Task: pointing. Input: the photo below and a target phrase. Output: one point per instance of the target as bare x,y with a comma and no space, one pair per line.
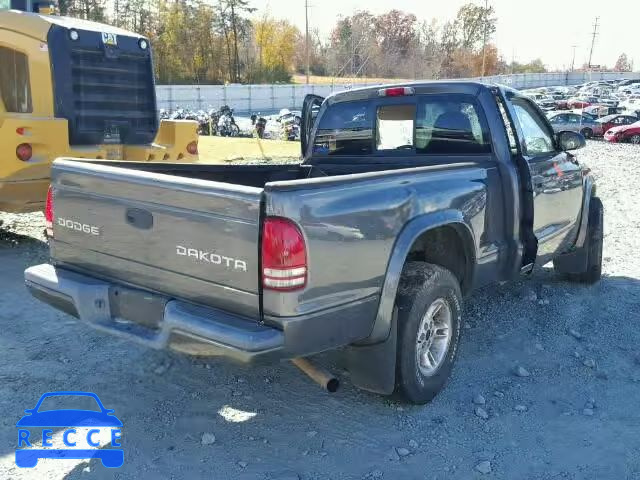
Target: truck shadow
272,416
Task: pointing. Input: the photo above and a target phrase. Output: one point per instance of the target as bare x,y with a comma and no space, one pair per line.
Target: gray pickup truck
408,198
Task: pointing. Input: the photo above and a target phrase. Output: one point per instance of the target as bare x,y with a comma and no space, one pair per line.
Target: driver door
556,179
310,109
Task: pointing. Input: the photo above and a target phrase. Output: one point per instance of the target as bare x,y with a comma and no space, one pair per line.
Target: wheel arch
412,239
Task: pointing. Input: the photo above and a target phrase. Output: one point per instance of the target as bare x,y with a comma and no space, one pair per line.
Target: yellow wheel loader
75,88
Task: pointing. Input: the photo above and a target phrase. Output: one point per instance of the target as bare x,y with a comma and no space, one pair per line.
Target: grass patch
225,149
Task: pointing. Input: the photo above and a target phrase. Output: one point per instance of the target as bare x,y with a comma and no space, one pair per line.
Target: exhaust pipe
319,375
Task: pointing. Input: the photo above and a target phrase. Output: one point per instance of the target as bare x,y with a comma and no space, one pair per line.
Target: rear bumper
183,327
204,331
20,196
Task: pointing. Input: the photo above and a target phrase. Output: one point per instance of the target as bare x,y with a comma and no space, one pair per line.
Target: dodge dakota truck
408,198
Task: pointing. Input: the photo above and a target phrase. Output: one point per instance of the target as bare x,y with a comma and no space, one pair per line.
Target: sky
526,30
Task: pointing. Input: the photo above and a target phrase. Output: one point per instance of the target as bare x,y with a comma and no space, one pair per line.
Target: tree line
226,41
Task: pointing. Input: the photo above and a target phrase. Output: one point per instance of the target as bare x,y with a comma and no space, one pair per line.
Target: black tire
593,244
635,139
422,284
586,132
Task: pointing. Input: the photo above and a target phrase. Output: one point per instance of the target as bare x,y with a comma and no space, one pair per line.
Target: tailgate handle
139,218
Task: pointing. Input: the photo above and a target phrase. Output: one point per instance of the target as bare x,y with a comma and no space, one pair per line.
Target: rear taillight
192,148
48,212
284,255
24,152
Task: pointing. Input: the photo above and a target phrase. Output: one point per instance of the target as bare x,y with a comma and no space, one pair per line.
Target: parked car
624,133
616,120
546,102
631,104
625,83
232,260
563,121
581,102
595,112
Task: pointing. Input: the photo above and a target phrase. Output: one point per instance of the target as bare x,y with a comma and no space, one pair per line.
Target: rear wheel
429,306
587,132
635,139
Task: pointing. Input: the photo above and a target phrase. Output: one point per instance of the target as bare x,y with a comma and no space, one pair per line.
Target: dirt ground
224,149
576,416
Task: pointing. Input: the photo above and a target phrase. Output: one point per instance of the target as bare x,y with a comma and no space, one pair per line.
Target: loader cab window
15,90
5,4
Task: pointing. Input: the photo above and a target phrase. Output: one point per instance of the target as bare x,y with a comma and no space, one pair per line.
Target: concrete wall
271,98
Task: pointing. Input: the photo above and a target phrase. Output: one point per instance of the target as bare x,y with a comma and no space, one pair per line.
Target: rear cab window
427,124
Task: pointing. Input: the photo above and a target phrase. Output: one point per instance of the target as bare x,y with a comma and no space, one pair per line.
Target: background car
595,112
616,120
624,133
581,102
563,121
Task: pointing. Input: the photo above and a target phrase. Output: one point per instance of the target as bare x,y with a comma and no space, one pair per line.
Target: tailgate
182,237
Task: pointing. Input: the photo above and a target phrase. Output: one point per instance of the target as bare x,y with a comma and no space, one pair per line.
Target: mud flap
572,262
373,367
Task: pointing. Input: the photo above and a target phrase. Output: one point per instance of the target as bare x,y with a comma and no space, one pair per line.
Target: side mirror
570,141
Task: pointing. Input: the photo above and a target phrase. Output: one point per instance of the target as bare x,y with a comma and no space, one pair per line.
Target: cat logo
110,39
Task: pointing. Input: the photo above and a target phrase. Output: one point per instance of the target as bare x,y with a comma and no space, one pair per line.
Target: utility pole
484,36
593,40
573,58
513,59
306,43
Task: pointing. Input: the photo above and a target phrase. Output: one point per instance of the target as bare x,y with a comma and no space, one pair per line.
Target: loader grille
112,96
105,90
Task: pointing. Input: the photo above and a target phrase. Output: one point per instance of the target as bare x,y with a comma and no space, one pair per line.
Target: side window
5,4
537,139
394,127
450,125
346,128
14,81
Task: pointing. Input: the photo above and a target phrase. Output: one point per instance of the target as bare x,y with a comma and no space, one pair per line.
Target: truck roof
37,26
420,87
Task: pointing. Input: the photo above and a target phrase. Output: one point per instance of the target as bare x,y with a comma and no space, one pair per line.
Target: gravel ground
547,384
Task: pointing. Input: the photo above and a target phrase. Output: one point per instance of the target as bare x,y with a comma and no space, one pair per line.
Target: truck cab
71,87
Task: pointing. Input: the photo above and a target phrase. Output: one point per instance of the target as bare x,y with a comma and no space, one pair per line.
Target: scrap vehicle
616,120
74,88
409,197
624,133
562,121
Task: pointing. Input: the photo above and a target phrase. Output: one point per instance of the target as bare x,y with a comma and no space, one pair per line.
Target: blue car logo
95,422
